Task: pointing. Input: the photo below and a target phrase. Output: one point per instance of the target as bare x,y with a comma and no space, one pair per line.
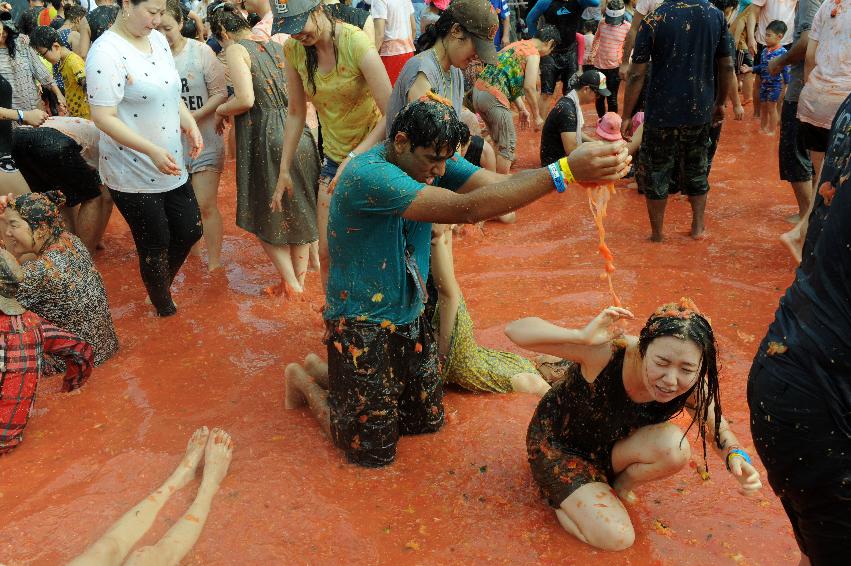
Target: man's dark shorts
807,459
51,161
812,137
383,383
558,66
795,164
674,154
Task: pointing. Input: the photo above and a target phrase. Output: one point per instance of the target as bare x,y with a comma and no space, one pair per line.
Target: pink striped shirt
607,49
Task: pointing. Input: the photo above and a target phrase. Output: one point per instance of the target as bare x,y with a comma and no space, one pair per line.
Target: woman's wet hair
74,13
224,17
684,321
548,33
175,9
429,122
311,61
439,30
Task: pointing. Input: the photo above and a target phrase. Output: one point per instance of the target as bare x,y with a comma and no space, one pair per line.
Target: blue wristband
557,177
738,452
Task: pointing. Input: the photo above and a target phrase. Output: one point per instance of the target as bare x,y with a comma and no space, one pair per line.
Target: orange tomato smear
598,200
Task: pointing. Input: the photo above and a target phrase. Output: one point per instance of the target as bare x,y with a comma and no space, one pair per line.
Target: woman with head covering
60,283
336,67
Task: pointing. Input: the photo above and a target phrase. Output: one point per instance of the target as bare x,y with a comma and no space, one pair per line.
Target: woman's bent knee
672,446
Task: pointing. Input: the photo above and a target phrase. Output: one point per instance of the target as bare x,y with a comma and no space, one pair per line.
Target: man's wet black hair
777,26
430,123
44,37
548,33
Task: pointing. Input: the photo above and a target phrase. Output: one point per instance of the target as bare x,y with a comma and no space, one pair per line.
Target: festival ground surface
462,496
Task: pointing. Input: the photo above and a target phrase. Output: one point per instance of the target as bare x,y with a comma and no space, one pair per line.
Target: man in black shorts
562,63
51,159
690,47
799,391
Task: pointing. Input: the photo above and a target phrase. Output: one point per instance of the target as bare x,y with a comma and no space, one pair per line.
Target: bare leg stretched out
114,546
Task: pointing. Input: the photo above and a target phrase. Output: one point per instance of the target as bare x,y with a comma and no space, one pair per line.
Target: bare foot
792,241
185,472
295,380
317,368
793,218
656,238
625,493
699,235
217,457
509,218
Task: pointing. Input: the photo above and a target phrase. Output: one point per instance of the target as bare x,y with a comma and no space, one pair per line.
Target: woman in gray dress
286,228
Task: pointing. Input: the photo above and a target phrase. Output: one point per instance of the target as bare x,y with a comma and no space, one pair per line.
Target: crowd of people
363,135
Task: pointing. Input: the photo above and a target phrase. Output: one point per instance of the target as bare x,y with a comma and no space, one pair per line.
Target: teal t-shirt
367,237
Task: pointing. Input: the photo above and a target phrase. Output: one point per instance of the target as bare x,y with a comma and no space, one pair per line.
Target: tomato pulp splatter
598,199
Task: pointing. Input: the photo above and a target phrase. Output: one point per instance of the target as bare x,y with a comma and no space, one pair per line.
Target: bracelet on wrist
557,177
565,169
21,117
352,154
736,452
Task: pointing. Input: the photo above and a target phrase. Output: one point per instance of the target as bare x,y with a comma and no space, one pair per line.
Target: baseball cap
11,276
615,12
479,19
290,16
439,4
609,127
596,80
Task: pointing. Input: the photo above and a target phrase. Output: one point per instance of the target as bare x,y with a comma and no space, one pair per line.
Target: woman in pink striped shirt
607,52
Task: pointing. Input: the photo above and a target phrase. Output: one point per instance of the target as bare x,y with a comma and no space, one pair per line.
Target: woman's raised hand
602,329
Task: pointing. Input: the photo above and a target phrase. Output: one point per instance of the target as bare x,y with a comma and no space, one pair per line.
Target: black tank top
588,418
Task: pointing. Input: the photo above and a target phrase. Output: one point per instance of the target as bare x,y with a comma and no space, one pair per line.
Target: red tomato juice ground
462,496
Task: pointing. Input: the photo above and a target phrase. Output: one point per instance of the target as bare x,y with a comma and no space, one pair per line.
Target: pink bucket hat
439,4
609,127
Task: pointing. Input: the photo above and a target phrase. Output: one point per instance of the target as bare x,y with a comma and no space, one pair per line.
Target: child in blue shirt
771,86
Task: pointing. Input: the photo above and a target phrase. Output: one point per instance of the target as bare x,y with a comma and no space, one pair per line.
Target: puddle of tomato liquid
464,495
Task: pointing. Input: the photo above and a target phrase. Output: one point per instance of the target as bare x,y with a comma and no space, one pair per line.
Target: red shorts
394,64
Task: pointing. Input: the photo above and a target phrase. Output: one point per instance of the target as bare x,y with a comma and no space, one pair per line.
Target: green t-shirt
367,237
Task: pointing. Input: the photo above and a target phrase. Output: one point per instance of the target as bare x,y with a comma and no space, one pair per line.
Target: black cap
596,80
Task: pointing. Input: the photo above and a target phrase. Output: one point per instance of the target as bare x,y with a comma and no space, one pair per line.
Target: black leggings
165,226
613,83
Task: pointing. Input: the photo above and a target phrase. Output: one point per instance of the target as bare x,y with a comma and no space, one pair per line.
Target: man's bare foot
317,368
217,457
185,472
699,235
295,381
793,243
793,218
656,238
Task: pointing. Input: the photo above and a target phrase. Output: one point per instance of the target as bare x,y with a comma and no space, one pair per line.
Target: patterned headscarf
41,209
